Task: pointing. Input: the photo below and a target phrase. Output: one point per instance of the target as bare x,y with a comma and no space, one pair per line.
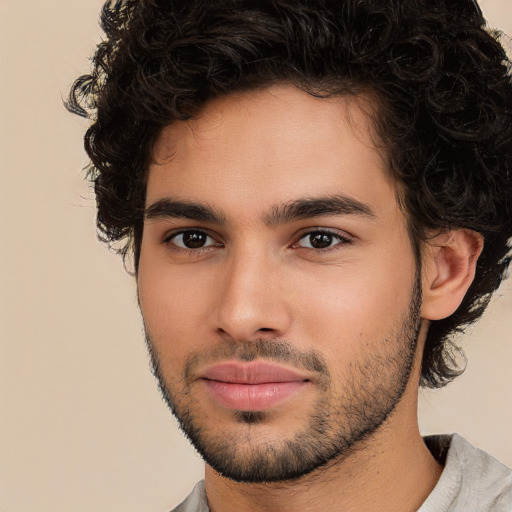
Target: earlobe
448,269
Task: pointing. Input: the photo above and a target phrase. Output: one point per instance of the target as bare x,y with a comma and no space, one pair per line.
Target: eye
321,239
192,239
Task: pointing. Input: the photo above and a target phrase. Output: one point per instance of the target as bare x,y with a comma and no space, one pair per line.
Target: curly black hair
442,79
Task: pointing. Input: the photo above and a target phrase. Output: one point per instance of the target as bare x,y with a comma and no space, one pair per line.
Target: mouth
254,386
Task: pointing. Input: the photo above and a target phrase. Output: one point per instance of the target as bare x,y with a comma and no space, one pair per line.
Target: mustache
275,351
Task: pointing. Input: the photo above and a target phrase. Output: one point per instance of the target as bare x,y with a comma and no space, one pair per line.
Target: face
277,282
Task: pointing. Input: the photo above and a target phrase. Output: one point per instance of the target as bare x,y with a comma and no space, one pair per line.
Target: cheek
346,308
173,305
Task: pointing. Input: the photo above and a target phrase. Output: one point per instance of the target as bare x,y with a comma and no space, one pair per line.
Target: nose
254,301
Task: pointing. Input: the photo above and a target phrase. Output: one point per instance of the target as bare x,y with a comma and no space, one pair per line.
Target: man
317,195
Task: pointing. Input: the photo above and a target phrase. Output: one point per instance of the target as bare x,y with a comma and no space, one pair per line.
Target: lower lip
253,397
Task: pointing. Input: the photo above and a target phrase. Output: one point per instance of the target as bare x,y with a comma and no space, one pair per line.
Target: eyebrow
317,207
168,208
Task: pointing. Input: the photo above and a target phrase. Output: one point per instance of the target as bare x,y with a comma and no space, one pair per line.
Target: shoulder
472,480
485,478
196,501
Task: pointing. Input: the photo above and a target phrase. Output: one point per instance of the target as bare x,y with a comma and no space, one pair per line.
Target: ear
448,269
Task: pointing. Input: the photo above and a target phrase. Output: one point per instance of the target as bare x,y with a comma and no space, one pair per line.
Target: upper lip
256,372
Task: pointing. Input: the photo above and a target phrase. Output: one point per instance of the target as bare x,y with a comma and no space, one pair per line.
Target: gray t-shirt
472,481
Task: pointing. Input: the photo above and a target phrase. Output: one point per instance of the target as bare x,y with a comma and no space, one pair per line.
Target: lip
256,372
254,386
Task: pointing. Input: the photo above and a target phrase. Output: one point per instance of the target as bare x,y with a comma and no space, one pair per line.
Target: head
422,84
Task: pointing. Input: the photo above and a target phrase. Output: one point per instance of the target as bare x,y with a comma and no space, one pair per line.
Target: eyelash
197,251
342,241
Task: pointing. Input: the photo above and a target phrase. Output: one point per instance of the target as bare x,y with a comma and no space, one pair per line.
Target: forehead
274,144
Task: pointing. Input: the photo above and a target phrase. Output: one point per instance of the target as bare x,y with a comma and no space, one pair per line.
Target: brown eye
321,240
192,239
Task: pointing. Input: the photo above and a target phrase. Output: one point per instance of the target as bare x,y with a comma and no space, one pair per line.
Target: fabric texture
196,501
472,481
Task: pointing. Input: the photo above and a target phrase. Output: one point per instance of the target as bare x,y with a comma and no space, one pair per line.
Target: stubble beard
339,424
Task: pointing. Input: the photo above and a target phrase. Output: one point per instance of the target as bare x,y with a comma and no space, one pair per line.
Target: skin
259,280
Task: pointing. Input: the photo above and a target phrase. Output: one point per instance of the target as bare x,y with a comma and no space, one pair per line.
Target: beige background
82,426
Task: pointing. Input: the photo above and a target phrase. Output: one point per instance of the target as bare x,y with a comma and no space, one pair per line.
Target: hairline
355,89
